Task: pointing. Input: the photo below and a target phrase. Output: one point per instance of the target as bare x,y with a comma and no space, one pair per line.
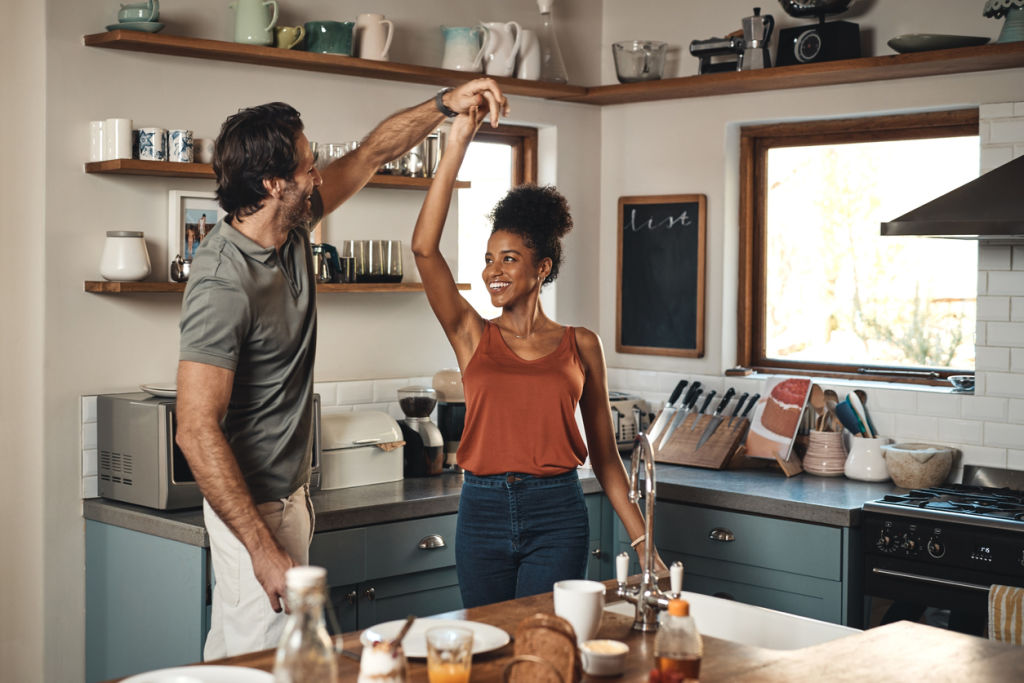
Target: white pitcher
251,25
462,48
373,35
501,45
529,56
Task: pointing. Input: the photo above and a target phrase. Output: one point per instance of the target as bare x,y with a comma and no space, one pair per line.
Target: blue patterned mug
153,144
179,146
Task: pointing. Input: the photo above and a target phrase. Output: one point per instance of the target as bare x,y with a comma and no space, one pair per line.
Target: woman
522,521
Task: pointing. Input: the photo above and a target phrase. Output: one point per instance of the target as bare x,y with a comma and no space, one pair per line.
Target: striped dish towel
1006,614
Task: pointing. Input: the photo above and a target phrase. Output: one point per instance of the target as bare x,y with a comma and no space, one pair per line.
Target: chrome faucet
648,598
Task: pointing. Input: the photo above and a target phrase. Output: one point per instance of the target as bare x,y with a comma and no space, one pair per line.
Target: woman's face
509,269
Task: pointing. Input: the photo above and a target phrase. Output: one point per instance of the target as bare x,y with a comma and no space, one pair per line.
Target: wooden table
902,651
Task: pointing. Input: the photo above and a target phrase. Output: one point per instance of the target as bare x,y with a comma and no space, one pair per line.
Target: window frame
755,141
523,141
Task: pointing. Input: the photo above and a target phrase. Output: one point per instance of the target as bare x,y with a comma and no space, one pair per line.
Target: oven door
936,573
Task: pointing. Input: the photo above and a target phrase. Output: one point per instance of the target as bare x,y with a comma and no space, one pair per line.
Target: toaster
622,418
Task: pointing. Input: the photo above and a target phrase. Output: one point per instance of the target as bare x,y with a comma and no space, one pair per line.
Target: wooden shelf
227,51
171,169
107,287
933,63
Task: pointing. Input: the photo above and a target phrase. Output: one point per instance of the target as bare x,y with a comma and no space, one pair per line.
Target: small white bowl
604,657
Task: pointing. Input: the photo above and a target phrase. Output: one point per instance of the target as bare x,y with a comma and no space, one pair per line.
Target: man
248,337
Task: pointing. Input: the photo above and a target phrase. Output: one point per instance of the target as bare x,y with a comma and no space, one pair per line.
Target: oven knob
884,542
936,548
910,544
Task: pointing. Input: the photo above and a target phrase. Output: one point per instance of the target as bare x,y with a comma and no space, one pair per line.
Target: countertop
901,651
832,501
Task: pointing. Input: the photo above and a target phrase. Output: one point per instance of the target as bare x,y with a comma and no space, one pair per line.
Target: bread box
351,452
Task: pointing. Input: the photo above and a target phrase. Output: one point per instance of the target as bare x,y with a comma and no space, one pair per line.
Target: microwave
139,461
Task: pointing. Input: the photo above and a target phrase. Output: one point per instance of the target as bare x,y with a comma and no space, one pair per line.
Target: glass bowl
962,383
639,60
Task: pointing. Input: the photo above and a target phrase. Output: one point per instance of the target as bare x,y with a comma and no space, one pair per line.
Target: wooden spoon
818,403
831,401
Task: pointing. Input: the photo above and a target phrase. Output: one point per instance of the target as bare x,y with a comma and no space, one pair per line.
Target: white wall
22,285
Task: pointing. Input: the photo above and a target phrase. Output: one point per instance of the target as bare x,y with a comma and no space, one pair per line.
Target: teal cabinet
146,602
796,567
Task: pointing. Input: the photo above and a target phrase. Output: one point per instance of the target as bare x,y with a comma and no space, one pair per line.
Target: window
497,160
821,292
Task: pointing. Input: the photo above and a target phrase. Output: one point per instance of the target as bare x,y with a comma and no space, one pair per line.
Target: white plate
485,636
203,674
921,42
163,390
147,26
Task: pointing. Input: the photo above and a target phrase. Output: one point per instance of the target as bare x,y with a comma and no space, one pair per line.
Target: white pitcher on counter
501,46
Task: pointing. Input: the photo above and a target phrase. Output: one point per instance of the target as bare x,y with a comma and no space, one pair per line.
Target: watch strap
441,106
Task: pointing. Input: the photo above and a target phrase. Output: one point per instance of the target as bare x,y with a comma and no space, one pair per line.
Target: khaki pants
242,619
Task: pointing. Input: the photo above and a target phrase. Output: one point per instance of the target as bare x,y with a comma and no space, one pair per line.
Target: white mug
117,139
501,45
96,151
372,37
581,603
529,56
179,145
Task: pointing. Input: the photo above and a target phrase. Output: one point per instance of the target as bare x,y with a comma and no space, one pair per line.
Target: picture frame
660,275
190,217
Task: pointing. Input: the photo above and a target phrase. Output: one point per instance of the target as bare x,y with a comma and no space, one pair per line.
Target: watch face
808,46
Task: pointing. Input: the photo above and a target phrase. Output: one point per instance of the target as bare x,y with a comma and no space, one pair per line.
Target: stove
943,547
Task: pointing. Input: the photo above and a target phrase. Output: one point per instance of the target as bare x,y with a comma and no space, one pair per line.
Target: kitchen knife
667,412
716,418
751,404
736,410
703,408
691,399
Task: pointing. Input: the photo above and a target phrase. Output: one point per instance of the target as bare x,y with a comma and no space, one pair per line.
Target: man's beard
297,213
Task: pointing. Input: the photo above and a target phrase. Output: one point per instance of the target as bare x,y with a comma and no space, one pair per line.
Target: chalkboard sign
660,308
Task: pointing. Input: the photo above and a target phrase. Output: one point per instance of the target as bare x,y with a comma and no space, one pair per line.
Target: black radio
822,42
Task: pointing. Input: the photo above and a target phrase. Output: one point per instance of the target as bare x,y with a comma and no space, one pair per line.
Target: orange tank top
521,414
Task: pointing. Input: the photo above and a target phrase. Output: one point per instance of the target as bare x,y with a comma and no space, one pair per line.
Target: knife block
715,453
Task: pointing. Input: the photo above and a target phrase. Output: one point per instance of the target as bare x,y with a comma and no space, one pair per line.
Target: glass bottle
552,67
305,653
678,646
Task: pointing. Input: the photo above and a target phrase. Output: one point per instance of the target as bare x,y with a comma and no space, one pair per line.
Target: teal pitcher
463,48
251,24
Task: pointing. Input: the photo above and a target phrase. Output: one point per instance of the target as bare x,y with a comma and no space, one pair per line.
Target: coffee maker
424,447
451,411
735,52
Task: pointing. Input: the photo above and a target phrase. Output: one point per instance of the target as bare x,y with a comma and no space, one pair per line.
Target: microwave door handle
949,583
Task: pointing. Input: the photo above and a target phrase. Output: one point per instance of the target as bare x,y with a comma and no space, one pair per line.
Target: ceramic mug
153,144
329,37
529,56
372,37
581,603
287,37
462,48
96,151
501,45
179,145
203,150
251,21
117,139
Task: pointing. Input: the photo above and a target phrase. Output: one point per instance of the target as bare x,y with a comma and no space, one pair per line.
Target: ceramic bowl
917,465
603,657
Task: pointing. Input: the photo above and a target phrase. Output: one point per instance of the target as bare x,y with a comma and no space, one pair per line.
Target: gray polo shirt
252,310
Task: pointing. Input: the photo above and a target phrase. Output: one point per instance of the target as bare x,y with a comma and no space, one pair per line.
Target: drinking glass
393,263
449,654
360,250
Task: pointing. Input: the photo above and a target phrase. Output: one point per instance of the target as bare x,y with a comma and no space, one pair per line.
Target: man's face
299,188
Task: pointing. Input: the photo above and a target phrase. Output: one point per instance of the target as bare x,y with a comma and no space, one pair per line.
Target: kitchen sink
751,625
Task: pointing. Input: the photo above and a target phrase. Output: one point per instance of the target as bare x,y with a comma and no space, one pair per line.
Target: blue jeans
518,534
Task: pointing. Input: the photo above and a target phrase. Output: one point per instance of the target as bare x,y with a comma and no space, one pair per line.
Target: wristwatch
441,106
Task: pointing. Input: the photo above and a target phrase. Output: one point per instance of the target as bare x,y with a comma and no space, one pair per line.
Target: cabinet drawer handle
370,593
431,542
596,552
351,597
722,535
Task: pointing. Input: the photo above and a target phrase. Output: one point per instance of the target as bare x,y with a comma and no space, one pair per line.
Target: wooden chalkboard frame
692,300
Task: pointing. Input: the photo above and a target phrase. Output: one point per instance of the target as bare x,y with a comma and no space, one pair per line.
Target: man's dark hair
254,144
540,216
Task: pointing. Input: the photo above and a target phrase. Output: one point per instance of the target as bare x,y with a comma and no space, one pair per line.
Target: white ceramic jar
124,256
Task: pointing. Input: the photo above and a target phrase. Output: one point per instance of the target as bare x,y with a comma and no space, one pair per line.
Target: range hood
989,208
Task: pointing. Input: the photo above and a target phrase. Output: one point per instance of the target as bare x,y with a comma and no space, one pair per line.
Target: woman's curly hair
540,216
